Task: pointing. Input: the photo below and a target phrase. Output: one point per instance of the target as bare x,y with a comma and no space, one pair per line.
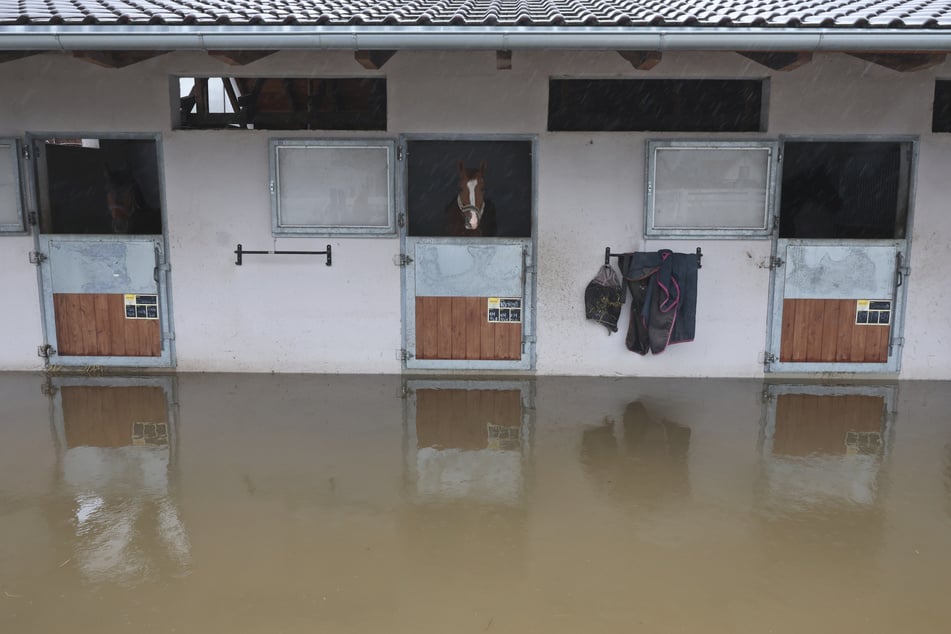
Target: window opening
844,190
439,199
663,105
99,186
276,103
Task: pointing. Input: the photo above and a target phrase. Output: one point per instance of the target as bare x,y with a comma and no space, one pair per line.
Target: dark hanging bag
603,298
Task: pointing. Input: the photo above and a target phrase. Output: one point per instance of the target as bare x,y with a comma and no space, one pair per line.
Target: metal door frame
408,274
44,273
771,362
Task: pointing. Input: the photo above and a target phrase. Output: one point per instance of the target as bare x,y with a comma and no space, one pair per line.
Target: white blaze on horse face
472,217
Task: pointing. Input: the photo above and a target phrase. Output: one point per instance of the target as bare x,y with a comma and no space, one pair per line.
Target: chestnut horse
470,214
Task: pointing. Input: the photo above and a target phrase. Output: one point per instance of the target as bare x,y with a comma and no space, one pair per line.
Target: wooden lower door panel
824,331
458,328
95,325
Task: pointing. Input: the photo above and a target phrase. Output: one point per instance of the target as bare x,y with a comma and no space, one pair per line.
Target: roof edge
119,37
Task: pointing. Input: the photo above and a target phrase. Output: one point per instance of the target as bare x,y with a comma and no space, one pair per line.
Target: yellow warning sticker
493,302
862,304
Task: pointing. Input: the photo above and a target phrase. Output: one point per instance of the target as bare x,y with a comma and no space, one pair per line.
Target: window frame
737,232
280,229
15,228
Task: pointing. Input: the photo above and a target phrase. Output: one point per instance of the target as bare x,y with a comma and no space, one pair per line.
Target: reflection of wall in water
647,465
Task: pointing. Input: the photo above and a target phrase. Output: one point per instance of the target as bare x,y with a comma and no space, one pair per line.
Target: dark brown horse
470,214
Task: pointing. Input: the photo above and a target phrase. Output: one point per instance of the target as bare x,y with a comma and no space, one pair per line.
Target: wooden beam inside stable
239,58
9,56
116,59
503,60
641,60
902,62
784,61
373,60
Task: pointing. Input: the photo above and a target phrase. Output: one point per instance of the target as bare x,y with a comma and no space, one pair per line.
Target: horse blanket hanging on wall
663,286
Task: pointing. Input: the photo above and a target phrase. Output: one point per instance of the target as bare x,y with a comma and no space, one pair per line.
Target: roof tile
900,14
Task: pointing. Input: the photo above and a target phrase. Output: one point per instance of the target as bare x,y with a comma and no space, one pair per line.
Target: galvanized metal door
467,303
837,306
105,300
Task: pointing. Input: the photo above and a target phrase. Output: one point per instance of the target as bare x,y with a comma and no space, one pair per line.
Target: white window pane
333,186
710,188
9,188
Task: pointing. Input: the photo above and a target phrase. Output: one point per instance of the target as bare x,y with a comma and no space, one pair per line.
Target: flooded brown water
247,503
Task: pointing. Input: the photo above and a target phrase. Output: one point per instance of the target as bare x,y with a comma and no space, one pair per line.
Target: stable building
430,187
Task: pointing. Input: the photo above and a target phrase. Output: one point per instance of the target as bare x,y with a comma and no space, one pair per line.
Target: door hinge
401,220
37,258
31,218
768,359
45,351
26,152
404,355
402,259
399,153
775,262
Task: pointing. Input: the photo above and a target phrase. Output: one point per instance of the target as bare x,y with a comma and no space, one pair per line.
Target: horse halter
464,209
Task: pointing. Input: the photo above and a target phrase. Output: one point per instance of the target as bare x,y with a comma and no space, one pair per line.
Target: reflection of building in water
117,458
644,461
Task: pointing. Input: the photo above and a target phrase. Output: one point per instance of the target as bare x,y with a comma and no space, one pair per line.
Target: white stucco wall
296,315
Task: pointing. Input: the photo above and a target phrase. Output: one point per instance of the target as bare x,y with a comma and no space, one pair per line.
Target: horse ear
482,167
462,169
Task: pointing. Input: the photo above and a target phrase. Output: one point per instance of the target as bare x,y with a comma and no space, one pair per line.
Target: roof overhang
351,38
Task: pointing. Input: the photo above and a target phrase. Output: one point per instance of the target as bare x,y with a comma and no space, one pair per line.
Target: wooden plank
843,346
458,327
426,328
69,341
443,327
87,324
830,329
508,342
813,343
115,318
804,314
487,331
876,343
787,333
103,330
857,349
474,318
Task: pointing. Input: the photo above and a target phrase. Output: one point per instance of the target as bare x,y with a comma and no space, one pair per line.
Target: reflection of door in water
467,441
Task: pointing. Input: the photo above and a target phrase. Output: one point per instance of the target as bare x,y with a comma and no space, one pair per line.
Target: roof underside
802,14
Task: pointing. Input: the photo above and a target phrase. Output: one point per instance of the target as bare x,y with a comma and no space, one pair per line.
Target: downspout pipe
263,37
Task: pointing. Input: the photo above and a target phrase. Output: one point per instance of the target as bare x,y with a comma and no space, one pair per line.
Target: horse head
471,198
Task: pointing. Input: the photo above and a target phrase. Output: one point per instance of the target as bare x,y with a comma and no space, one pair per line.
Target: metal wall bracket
37,258
775,263
402,259
45,351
